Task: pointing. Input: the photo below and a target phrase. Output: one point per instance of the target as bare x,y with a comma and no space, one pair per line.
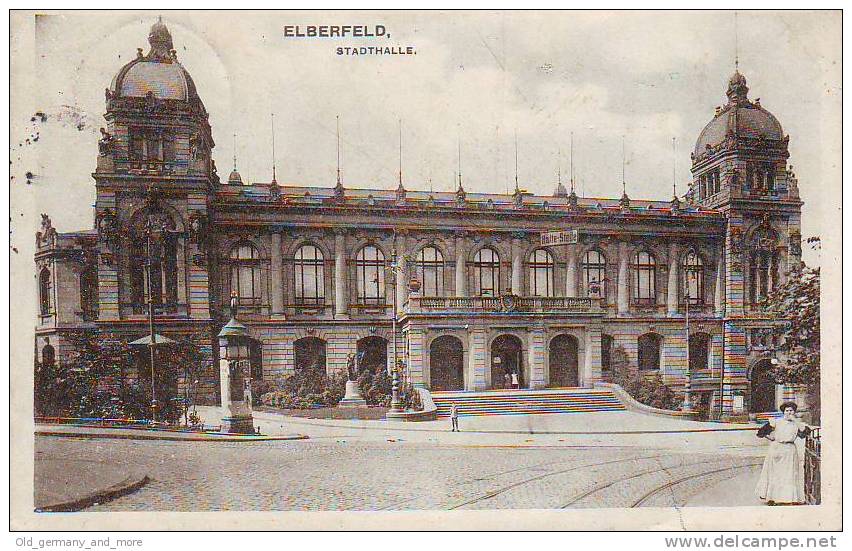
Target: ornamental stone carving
47,236
107,226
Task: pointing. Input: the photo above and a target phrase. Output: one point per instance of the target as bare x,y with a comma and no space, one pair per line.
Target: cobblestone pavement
369,475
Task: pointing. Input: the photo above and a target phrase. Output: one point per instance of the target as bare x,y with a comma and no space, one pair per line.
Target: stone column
672,296
478,365
591,369
517,268
461,268
719,297
536,343
571,272
417,356
401,279
277,275
623,301
108,285
340,303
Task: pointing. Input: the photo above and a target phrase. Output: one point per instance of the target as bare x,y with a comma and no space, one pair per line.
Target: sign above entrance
564,237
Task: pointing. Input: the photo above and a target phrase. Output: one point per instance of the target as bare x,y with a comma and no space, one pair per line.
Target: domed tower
739,166
154,175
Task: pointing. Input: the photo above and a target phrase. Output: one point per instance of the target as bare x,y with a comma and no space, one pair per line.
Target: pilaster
477,359
623,301
537,357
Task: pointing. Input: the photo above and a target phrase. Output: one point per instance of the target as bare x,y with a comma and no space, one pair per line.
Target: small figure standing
454,417
507,380
351,370
780,480
515,383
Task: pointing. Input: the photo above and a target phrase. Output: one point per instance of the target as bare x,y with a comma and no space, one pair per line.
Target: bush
645,388
307,388
650,390
376,387
277,399
259,388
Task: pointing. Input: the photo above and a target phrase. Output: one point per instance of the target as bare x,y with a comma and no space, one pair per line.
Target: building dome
740,117
235,178
157,73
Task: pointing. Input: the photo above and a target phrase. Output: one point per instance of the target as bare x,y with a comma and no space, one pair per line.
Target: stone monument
353,397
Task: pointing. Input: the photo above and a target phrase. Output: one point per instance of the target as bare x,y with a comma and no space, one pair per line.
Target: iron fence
812,467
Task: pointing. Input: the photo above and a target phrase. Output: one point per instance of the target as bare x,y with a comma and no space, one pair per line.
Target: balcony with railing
503,304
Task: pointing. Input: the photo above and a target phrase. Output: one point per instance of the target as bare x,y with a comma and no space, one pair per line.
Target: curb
128,486
526,432
216,438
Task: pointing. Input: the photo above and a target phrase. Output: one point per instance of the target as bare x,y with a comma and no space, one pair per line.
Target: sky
477,81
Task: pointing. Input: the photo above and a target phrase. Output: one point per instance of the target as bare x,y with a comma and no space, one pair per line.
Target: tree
796,301
95,380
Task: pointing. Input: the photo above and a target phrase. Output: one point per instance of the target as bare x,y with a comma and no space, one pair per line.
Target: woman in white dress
781,480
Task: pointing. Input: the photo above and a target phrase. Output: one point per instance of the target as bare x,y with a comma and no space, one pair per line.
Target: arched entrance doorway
309,352
506,359
762,387
564,365
48,356
372,354
446,364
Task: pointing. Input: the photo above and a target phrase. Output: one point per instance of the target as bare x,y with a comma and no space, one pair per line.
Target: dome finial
160,40
737,90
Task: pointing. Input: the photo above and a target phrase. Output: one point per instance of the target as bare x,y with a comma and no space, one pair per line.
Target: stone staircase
526,402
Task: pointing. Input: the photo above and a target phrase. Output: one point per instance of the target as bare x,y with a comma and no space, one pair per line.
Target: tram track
504,489
648,495
598,488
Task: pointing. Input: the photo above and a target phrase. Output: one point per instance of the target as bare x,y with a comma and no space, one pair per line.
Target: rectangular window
137,146
644,279
310,276
370,276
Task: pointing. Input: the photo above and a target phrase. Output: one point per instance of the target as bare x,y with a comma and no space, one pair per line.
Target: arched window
693,278
594,273
763,264
153,246
486,273
644,278
163,284
137,274
48,356
541,273
763,275
430,270
245,274
649,351
44,291
370,275
309,271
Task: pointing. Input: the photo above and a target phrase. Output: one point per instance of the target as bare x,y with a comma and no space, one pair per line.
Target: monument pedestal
238,425
353,396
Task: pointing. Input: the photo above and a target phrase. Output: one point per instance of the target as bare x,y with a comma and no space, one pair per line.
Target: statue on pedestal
353,397
350,367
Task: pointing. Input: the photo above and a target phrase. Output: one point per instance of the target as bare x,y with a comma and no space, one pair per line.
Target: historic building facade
320,273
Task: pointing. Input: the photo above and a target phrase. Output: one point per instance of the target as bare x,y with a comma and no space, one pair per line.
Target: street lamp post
149,228
687,394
